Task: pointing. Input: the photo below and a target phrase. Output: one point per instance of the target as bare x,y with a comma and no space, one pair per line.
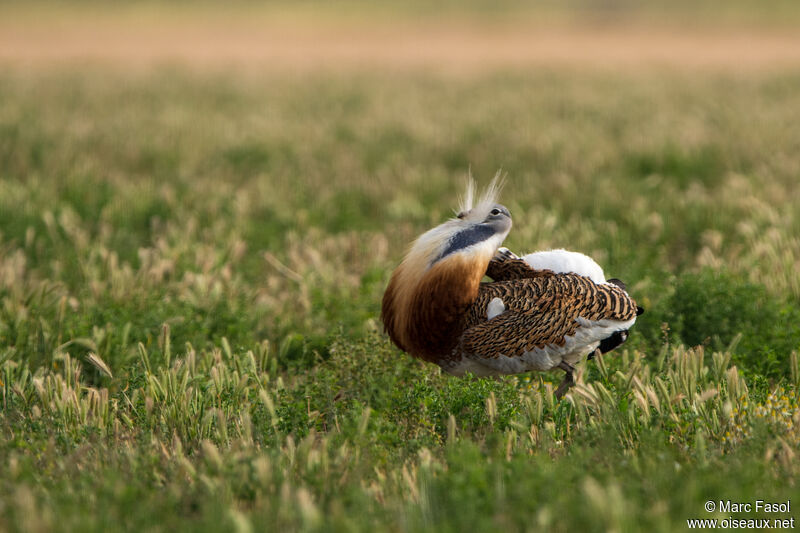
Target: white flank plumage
563,261
495,308
585,340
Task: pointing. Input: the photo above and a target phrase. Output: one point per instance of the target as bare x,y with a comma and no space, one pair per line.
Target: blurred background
261,167
201,204
452,36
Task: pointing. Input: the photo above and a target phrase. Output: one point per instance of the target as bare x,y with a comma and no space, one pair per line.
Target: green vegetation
191,268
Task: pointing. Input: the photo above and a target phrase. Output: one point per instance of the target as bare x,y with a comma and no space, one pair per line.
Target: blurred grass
221,243
465,38
173,187
707,13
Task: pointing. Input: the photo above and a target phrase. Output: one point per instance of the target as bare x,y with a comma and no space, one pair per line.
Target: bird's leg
567,382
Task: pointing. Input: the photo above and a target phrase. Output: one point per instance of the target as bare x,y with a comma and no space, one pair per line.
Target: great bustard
542,311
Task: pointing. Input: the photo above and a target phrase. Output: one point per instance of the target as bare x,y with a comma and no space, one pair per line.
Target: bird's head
440,275
477,230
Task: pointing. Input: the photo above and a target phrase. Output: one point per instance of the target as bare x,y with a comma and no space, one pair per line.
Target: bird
543,311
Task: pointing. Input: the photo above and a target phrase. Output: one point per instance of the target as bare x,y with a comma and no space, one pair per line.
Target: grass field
191,268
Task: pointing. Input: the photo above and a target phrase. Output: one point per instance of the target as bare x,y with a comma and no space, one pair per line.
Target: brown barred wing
503,268
513,333
544,311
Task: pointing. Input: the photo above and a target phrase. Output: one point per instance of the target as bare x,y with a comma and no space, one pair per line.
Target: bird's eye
462,214
495,211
